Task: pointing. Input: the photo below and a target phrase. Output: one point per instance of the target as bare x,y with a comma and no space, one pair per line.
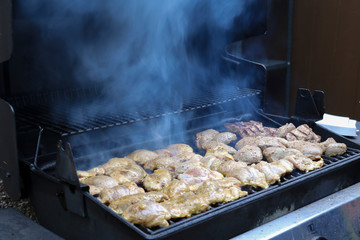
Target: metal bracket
66,171
308,106
9,164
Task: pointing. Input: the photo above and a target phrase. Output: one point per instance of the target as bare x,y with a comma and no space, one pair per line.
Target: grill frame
268,204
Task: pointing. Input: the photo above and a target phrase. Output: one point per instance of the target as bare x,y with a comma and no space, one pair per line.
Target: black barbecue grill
48,135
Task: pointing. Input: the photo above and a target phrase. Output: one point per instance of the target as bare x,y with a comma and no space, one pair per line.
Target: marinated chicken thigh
271,175
132,172
249,154
108,195
247,141
304,163
227,166
156,181
332,148
196,175
284,130
175,188
97,183
249,176
273,154
205,136
221,190
186,205
142,156
220,153
214,144
308,149
147,213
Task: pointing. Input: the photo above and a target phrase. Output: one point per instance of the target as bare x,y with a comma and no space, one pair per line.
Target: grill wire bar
57,120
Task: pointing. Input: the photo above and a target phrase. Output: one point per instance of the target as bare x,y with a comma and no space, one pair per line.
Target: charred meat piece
108,195
273,154
249,176
304,163
249,154
120,204
148,214
186,205
303,133
196,175
332,148
156,181
250,129
142,156
221,190
309,149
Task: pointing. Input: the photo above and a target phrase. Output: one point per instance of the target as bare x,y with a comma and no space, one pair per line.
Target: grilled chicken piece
249,176
90,173
265,142
213,144
163,153
304,163
284,130
220,153
309,149
205,136
185,205
225,137
179,149
221,190
162,162
227,166
182,167
156,181
108,195
211,162
332,148
196,175
273,154
250,129
132,172
120,204
303,133
282,167
175,188
148,214
272,176
142,156
117,162
97,183
247,141
249,154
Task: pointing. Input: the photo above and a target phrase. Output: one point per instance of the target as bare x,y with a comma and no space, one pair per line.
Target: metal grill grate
65,121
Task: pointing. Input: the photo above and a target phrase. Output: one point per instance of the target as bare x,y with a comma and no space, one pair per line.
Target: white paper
340,125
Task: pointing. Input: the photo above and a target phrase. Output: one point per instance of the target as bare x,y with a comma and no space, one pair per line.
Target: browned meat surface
249,154
273,154
185,205
249,176
303,133
247,141
147,213
156,181
221,190
250,129
225,137
309,149
108,195
196,175
265,142
304,163
284,130
120,204
142,156
332,148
